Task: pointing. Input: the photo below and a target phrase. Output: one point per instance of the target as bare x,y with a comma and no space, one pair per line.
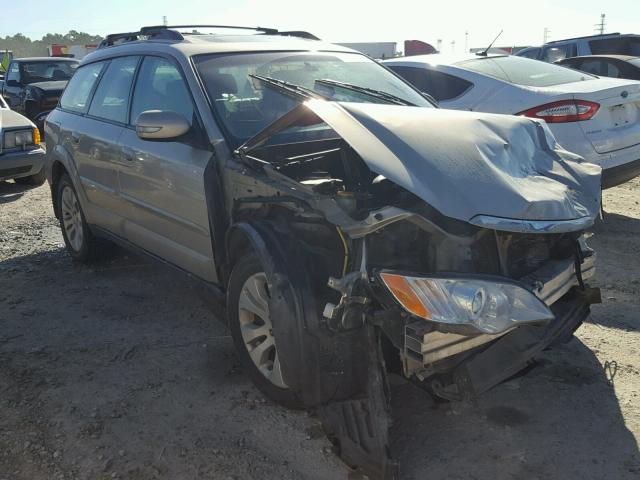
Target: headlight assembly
20,138
486,306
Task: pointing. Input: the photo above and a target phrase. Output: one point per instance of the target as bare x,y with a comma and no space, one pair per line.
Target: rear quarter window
76,96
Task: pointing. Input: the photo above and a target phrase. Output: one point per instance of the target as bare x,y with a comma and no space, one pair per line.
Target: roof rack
170,32
586,36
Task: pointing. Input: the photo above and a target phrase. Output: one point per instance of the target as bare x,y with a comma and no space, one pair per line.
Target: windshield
246,105
524,71
33,72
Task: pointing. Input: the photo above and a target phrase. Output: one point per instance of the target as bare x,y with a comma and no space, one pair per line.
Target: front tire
251,327
80,243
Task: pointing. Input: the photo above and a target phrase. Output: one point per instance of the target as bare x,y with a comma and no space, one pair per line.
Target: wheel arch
57,170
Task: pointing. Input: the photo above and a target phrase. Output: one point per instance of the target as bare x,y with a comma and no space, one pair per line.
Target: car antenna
485,51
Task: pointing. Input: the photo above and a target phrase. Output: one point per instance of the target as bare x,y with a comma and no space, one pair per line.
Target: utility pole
600,26
164,20
546,35
453,46
439,45
466,41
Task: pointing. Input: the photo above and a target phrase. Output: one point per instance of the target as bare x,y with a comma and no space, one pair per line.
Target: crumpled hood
468,165
11,119
50,87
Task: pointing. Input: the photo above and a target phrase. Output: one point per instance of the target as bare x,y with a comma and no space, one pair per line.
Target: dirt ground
119,370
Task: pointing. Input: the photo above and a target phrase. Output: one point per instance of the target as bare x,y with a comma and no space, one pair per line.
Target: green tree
23,46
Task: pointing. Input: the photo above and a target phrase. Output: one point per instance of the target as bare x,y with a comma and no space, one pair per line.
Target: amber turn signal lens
36,136
400,288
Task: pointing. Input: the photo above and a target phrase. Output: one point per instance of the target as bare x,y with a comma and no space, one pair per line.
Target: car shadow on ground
560,420
616,223
617,272
10,191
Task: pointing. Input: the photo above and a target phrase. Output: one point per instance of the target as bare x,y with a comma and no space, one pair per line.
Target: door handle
128,154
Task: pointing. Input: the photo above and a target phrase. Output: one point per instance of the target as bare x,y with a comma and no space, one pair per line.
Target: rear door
94,141
163,181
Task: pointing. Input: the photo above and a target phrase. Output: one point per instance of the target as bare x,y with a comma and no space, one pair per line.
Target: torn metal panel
468,164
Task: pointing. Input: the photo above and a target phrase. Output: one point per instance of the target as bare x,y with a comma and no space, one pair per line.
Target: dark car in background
32,86
616,66
610,43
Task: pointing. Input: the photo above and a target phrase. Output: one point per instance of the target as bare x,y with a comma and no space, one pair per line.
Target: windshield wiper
368,91
288,88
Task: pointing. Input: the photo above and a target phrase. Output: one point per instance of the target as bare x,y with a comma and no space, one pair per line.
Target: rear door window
160,86
76,96
111,100
593,66
440,86
553,53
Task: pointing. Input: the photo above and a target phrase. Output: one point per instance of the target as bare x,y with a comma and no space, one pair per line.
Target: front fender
321,365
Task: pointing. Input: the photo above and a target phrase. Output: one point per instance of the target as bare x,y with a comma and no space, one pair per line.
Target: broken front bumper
553,284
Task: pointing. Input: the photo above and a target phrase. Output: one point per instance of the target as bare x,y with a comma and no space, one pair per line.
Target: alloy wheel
257,330
72,218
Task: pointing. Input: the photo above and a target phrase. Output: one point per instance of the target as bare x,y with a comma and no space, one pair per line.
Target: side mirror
12,83
161,125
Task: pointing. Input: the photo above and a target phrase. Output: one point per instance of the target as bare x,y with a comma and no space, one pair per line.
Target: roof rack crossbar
170,32
150,32
268,31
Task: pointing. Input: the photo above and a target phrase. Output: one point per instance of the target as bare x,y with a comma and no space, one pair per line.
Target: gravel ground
120,370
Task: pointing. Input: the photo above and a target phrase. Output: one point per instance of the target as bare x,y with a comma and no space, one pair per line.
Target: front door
163,181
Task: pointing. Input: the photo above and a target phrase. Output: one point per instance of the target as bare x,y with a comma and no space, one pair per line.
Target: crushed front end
447,246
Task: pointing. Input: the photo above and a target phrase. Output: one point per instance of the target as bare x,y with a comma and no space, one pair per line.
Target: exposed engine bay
454,279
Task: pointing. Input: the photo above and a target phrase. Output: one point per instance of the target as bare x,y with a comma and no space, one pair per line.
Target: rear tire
36,180
252,330
80,242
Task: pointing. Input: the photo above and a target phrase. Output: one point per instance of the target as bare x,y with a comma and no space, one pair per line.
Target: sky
337,20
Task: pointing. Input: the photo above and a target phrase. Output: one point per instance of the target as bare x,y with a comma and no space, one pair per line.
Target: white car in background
597,118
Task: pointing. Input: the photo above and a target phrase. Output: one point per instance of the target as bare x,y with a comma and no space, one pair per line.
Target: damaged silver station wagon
350,228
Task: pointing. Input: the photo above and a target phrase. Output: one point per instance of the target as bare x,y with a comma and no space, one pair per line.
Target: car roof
435,59
624,58
594,37
45,59
217,43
